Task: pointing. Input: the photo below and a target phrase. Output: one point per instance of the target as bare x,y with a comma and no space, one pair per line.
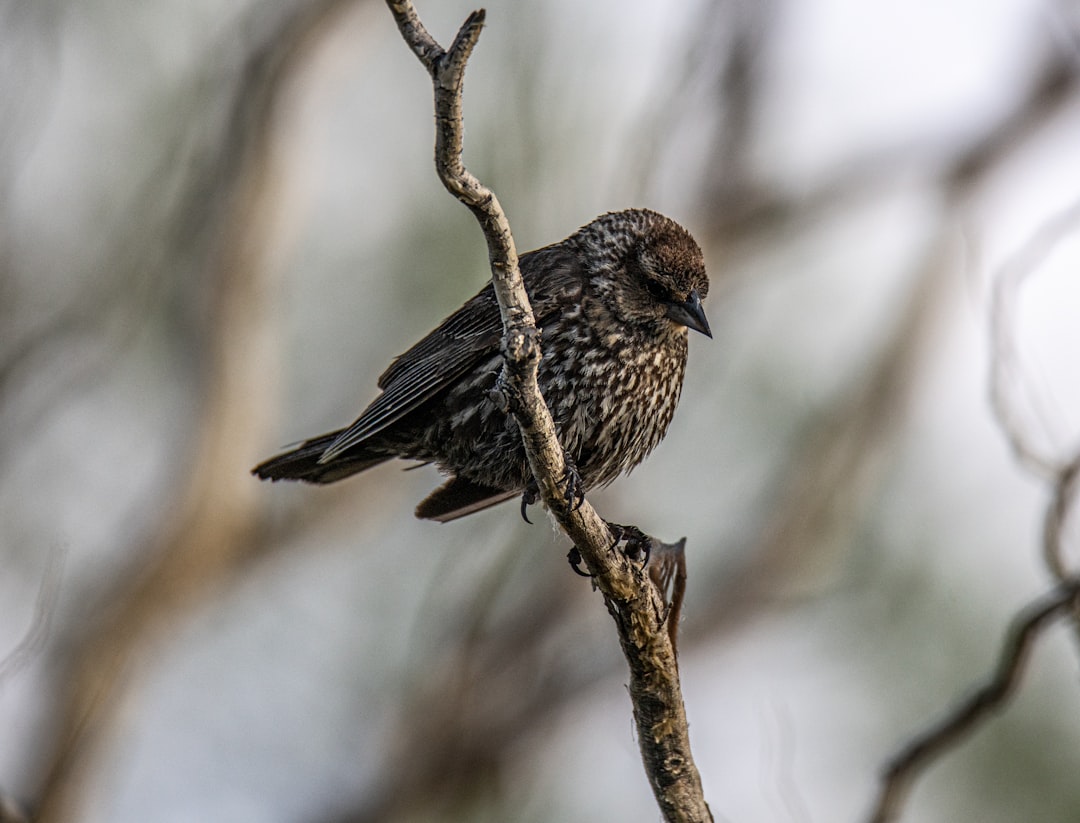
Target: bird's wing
471,330
428,367
461,341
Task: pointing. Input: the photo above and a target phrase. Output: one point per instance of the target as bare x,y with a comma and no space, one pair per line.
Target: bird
613,303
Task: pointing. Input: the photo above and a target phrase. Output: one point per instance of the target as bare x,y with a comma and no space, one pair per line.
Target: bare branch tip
637,607
466,38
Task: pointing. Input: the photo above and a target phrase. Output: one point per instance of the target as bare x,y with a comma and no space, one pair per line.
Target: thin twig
924,749
1006,379
1065,493
919,753
44,608
634,602
1005,375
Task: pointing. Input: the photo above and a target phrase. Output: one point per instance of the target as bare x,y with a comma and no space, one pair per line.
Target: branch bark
634,602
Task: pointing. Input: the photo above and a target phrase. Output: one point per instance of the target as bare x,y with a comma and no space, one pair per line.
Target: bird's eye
657,290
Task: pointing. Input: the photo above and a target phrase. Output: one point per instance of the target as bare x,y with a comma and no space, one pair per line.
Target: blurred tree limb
1011,394
921,751
1005,381
210,530
44,606
635,603
840,452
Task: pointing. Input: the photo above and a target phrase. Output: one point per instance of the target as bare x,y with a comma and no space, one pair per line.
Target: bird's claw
528,497
637,547
573,490
574,558
573,487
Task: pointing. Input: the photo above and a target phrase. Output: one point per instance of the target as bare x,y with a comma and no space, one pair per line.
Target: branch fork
637,605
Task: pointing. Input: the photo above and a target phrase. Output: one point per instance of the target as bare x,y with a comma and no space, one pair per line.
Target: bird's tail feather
302,463
458,497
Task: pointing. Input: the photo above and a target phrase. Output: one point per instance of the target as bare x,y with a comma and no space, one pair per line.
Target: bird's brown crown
670,258
643,262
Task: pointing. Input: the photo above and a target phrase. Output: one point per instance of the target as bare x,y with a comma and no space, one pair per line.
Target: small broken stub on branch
678,284
522,345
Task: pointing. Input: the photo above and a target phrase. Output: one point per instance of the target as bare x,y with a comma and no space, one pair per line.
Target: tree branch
1010,395
44,609
919,753
208,532
636,604
923,750
1057,82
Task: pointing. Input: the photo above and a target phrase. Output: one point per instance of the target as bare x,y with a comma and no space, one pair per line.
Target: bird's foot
637,545
573,490
573,487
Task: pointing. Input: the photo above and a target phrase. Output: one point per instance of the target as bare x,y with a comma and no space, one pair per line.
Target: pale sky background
275,698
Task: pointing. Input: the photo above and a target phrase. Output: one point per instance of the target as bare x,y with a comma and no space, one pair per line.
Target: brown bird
613,302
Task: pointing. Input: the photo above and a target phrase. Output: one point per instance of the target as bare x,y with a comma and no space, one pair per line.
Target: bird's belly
613,407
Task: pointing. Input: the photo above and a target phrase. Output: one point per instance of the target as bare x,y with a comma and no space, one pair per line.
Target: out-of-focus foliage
219,221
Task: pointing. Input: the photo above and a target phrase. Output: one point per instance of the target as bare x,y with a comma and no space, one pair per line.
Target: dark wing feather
302,463
427,368
469,335
476,326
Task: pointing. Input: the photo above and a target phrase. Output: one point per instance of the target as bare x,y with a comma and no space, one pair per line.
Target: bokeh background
220,220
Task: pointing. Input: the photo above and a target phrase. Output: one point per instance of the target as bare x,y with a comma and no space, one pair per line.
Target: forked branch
636,604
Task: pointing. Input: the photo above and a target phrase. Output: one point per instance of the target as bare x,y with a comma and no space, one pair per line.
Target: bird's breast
612,392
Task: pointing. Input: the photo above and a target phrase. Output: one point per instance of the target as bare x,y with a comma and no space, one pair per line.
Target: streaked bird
613,301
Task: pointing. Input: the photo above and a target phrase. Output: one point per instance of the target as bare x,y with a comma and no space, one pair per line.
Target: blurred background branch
195,269
223,223
925,748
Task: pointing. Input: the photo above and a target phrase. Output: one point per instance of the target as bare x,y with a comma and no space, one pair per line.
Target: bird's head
650,270
668,269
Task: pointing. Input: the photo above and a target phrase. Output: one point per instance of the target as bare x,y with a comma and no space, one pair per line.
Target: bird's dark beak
690,314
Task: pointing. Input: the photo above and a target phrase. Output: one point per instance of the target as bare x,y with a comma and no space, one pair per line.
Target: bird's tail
302,463
458,497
